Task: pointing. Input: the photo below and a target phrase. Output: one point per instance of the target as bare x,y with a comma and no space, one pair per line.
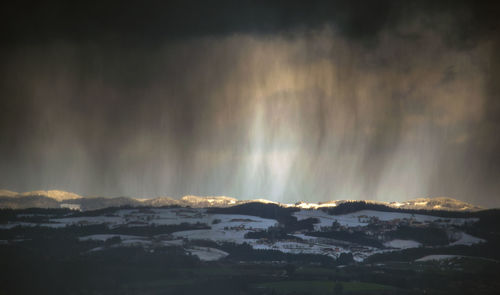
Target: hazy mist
299,114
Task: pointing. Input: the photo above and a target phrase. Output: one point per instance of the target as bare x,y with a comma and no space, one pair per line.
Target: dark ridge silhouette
355,206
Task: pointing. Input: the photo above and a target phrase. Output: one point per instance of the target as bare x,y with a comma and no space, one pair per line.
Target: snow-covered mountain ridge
57,198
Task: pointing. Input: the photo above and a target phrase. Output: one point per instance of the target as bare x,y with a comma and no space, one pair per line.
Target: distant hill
58,199
7,193
439,203
52,194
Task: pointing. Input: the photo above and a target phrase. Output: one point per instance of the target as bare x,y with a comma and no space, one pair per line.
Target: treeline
357,237
355,206
7,215
429,236
245,252
272,234
72,231
270,211
112,210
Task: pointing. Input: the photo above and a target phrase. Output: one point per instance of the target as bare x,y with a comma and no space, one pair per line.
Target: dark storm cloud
152,22
286,100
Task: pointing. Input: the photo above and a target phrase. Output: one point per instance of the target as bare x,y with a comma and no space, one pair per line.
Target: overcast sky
284,100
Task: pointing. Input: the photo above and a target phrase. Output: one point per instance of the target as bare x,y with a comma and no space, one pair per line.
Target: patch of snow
468,240
437,257
173,243
96,249
13,224
53,225
135,242
402,244
207,254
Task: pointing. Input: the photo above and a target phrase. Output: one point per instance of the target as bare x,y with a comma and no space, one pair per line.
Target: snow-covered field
468,240
362,218
140,217
233,227
402,244
207,254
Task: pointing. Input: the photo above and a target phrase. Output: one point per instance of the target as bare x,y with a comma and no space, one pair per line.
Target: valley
263,248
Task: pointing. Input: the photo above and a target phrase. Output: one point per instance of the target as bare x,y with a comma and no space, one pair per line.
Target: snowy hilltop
62,199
